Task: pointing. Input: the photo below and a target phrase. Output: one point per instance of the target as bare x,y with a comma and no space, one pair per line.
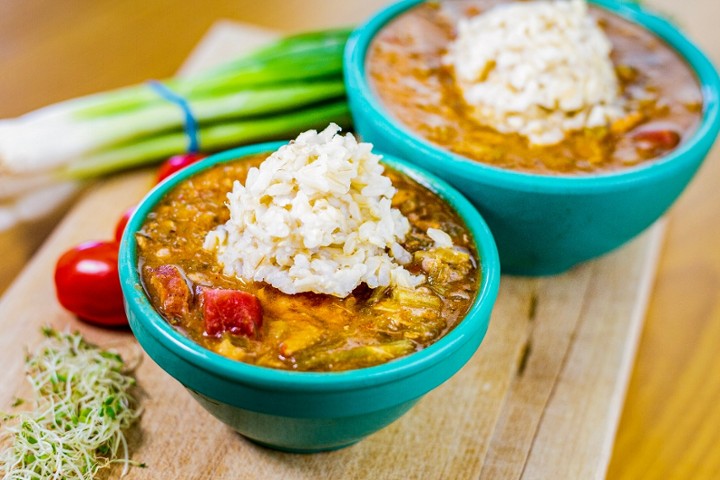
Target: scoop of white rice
316,216
538,68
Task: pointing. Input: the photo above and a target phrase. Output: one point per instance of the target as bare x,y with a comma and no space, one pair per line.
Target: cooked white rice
540,69
316,216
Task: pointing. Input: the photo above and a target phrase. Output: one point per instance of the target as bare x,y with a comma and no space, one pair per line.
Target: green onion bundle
293,84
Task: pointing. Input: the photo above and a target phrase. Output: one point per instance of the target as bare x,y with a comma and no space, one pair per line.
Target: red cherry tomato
122,223
177,162
87,283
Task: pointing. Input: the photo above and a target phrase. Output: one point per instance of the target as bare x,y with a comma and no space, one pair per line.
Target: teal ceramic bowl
306,411
546,224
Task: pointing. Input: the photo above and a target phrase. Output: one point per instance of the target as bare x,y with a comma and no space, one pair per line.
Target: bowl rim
274,379
703,136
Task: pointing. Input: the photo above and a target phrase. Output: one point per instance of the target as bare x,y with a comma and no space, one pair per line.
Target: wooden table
670,426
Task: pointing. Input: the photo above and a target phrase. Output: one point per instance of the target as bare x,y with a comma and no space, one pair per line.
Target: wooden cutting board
541,399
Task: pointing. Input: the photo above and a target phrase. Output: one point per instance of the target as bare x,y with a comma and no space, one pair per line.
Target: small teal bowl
307,411
546,224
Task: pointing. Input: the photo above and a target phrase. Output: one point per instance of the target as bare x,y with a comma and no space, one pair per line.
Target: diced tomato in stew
231,311
665,139
171,288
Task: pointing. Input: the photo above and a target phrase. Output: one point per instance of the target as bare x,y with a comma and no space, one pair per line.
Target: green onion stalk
291,85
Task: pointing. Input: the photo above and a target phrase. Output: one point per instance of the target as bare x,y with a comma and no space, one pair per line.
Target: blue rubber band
191,126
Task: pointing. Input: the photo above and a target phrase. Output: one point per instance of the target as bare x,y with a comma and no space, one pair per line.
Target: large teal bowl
305,411
546,224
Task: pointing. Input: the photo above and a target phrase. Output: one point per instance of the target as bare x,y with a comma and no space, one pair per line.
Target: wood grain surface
52,50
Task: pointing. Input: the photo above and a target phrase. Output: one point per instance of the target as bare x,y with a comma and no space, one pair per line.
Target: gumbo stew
256,323
405,68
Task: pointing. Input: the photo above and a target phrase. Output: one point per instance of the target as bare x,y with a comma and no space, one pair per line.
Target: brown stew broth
405,70
311,331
